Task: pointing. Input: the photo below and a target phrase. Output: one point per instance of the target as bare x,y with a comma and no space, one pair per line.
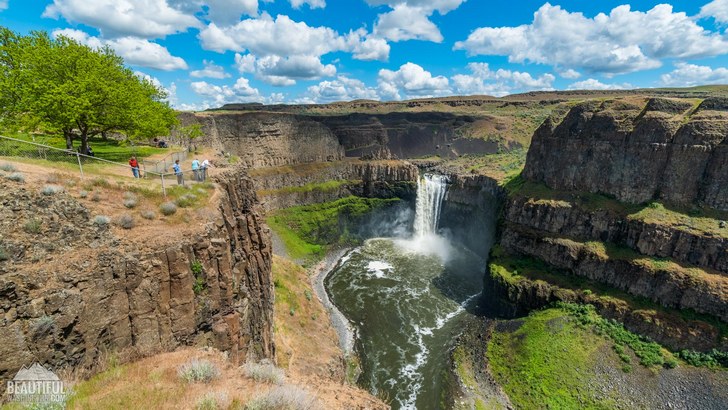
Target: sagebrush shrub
16,176
168,208
264,371
284,398
101,220
126,221
148,215
51,189
197,370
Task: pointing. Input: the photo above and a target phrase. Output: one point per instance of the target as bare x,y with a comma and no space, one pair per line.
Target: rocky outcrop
469,213
637,151
92,292
513,297
268,139
307,184
565,219
572,227
406,134
666,284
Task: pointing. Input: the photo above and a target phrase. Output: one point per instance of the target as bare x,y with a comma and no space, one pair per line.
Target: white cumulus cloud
622,41
281,50
410,19
442,6
221,12
483,80
314,4
140,18
718,9
217,95
407,23
3,4
134,51
593,84
210,70
340,89
570,74
688,75
413,81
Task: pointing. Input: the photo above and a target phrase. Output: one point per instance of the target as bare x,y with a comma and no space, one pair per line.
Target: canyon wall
267,139
469,213
576,226
270,139
306,184
406,134
665,150
83,291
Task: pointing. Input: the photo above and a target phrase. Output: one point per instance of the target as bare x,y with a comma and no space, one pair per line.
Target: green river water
406,300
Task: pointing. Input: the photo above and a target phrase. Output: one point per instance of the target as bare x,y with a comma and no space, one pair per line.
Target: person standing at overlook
178,171
134,164
203,169
196,169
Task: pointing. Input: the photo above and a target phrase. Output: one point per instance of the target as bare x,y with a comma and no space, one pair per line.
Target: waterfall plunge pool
407,298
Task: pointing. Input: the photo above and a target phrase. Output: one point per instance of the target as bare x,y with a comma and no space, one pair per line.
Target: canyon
621,204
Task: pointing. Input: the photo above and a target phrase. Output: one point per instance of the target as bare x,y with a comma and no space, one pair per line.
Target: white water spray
430,193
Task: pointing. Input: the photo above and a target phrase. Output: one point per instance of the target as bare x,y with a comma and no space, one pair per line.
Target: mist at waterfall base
406,297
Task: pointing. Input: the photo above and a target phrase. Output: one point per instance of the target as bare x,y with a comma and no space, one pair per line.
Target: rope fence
92,165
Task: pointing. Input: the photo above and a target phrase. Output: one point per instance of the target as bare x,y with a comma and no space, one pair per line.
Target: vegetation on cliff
307,230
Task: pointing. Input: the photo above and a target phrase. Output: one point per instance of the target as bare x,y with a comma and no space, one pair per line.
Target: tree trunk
84,141
69,139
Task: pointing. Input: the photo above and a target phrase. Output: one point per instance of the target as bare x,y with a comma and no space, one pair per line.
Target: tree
60,85
189,133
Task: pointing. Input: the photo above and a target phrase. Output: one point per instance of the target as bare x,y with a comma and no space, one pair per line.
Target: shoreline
343,328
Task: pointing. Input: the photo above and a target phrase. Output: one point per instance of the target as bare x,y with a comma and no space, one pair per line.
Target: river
406,298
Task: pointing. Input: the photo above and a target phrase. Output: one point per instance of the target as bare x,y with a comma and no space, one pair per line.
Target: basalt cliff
73,289
622,205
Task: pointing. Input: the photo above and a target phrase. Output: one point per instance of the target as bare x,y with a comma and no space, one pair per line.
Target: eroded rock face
405,134
637,153
651,239
372,179
268,139
94,293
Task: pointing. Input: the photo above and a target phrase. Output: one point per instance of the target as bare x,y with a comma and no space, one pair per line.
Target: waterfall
430,192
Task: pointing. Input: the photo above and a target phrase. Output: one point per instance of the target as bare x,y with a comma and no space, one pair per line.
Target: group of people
199,170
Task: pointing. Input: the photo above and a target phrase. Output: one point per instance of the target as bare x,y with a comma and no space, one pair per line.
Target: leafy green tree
189,133
59,85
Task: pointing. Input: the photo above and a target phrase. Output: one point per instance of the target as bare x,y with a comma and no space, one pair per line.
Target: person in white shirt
203,169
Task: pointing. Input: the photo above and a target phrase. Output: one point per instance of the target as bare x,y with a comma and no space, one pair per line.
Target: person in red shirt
134,164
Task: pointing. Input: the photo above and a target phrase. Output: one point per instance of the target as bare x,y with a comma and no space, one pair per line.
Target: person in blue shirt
178,171
196,169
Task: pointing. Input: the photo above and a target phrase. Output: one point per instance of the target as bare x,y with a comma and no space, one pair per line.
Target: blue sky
210,52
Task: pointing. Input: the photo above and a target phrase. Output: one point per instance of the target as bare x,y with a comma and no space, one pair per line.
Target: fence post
80,167
164,189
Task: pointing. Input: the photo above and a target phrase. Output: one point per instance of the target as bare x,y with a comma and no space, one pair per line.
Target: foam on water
378,268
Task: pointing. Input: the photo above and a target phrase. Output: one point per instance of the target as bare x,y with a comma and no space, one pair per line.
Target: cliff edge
73,286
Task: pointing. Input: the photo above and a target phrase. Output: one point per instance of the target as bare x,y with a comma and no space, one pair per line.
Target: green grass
306,231
547,362
108,149
503,166
286,299
649,353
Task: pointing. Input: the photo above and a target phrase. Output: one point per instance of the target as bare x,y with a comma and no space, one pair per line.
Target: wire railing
14,148
163,165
